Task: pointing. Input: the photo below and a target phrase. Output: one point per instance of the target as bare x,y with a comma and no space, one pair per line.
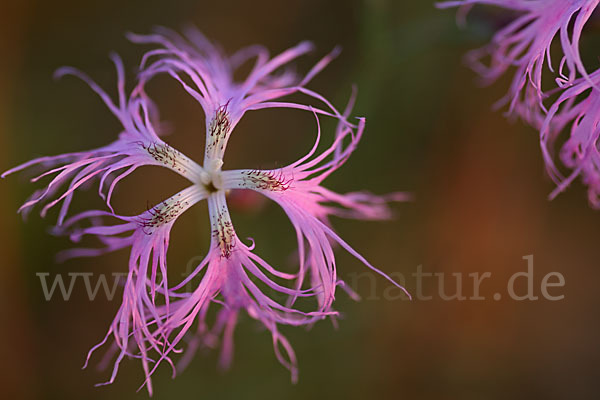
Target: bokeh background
480,206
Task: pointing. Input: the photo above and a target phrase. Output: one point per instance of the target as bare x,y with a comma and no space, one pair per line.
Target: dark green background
480,206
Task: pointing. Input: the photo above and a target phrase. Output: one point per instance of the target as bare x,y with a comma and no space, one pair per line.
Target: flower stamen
273,181
170,209
222,227
217,134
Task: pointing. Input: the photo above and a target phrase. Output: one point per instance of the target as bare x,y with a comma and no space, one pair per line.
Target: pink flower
229,265
525,44
578,108
155,319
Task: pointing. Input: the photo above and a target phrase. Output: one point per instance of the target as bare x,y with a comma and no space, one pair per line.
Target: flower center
211,176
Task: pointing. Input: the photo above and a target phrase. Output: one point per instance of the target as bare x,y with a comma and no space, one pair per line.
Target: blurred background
480,206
